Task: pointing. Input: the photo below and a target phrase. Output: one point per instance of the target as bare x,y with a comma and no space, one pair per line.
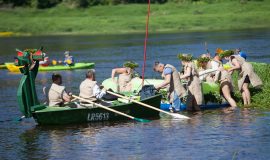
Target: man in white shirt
89,88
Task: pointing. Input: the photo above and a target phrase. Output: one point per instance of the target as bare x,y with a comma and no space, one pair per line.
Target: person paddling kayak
46,61
69,60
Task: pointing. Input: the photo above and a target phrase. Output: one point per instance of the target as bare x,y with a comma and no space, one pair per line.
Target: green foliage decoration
202,60
131,64
185,57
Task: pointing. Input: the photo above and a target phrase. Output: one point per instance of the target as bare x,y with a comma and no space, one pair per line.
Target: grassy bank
260,97
170,17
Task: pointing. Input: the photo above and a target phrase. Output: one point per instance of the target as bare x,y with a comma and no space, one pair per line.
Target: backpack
147,91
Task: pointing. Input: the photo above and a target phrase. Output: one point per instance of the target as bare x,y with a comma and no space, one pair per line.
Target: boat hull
65,115
12,68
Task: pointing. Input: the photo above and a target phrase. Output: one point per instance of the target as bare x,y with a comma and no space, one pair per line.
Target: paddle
175,115
112,110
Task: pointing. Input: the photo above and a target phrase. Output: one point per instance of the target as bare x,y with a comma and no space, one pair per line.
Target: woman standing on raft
246,74
195,96
125,76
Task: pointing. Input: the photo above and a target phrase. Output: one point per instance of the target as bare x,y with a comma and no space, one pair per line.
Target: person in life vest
69,60
195,95
89,88
172,83
126,73
57,94
45,62
246,74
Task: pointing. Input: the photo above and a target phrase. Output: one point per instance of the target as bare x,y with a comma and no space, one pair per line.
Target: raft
12,68
208,88
136,84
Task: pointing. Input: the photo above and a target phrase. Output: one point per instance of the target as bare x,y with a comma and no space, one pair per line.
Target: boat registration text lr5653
98,116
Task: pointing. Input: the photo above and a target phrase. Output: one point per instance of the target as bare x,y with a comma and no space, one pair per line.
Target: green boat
30,106
13,68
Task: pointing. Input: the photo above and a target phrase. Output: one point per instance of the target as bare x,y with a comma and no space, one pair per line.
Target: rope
145,42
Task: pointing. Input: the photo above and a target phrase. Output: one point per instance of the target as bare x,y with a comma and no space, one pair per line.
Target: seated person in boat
246,74
172,83
57,94
89,89
126,73
223,77
69,60
195,95
45,62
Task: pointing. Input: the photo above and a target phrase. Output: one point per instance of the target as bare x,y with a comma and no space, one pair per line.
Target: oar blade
142,120
179,116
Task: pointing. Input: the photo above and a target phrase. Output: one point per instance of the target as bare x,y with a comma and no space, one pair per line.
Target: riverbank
121,19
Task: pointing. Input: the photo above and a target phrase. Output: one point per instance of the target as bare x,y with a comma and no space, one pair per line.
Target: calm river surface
212,135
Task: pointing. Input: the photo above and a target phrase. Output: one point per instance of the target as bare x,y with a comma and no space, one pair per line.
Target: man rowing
172,82
89,89
57,94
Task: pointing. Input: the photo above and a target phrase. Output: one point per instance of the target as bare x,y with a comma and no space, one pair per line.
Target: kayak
3,66
209,91
12,68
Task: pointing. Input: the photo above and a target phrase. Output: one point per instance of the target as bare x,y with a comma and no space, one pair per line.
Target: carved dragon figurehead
28,62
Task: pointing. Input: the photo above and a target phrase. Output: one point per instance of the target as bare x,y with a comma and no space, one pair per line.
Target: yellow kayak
12,68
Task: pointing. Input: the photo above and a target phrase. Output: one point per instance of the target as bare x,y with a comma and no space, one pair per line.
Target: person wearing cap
57,94
246,74
69,60
125,76
239,52
45,62
195,95
89,88
172,83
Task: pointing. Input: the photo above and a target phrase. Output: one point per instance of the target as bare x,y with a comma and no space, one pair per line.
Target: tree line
42,4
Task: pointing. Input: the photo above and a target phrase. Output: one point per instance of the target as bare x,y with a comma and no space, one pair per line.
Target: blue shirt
167,71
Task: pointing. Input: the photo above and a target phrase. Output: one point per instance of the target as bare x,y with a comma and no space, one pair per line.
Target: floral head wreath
202,60
185,57
131,64
226,53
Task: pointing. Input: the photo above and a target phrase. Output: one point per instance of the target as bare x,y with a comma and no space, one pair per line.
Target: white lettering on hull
98,116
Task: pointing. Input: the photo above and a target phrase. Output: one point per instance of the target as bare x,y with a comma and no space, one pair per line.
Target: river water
244,134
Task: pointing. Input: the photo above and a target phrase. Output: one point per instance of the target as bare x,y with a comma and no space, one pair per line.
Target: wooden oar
207,71
175,115
112,110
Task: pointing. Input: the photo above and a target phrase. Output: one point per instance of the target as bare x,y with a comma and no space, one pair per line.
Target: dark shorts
247,79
